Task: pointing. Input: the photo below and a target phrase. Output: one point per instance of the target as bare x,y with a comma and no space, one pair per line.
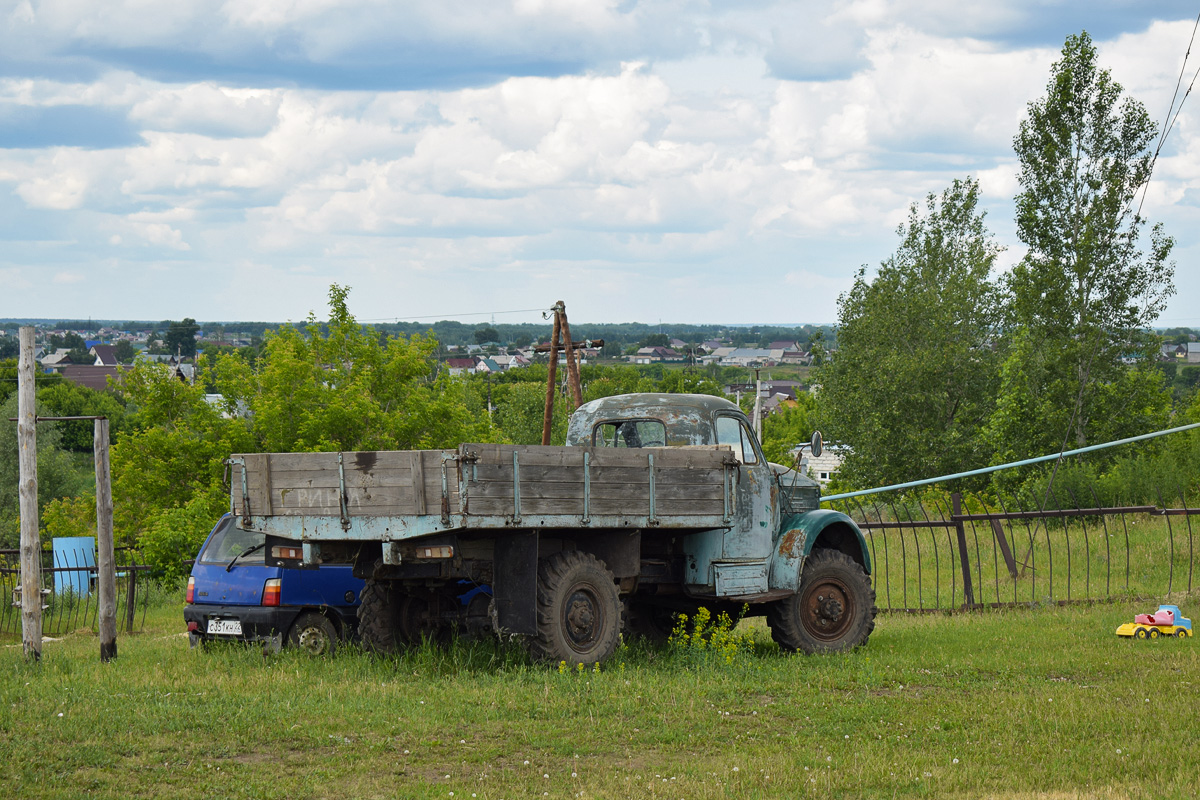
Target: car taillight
191,594
271,592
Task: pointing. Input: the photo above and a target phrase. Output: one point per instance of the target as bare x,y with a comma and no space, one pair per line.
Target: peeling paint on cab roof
687,417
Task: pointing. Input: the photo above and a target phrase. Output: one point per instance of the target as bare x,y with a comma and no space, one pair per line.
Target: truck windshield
630,433
230,542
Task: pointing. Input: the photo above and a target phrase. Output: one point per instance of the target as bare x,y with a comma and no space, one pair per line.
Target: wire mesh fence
69,597
951,552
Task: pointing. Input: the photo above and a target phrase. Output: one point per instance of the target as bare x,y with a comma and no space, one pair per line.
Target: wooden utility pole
572,364
31,545
562,333
548,416
106,557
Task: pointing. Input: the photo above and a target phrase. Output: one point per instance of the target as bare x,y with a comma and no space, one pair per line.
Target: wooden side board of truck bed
390,495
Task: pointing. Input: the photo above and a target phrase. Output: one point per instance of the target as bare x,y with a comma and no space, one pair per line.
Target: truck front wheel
834,610
578,610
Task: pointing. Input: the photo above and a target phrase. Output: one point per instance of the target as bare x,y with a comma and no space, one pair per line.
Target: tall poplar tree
1085,294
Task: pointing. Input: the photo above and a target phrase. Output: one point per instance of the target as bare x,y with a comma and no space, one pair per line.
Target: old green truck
659,504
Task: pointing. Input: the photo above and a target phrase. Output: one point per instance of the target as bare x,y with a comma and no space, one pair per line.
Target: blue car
234,595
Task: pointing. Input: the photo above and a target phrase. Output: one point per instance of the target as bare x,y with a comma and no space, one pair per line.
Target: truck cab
776,527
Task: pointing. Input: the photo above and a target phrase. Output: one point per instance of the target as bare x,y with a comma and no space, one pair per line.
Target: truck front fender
800,533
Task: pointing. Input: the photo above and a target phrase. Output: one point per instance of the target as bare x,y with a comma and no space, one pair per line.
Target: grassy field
1042,702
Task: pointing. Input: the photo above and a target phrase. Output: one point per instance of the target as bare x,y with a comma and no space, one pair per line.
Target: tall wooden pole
104,545
31,545
548,417
572,364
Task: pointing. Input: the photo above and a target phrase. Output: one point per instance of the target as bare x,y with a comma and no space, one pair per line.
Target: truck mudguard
800,533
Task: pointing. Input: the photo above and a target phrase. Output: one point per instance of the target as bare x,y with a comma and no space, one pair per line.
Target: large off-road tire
834,610
313,633
578,610
377,616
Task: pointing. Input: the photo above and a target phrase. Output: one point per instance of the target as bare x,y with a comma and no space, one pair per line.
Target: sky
642,160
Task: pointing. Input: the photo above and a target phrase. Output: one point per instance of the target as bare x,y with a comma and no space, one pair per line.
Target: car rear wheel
314,634
1153,634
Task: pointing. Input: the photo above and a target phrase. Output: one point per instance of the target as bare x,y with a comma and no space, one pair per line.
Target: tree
180,338
912,380
1085,294
174,454
66,399
124,352
60,474
788,427
345,390
817,353
485,335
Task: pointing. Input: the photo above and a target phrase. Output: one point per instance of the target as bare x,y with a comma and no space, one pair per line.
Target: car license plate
227,627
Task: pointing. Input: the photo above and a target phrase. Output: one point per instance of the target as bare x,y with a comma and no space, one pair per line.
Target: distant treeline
453,332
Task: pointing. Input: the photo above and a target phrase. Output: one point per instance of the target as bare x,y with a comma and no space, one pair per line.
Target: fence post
1005,550
31,544
964,560
131,594
107,610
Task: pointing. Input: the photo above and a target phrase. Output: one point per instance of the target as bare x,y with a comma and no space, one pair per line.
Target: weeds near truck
1016,703
705,639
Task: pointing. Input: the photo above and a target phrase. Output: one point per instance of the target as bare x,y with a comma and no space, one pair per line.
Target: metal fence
69,597
968,552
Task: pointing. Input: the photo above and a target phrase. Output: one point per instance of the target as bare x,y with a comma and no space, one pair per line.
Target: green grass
1018,703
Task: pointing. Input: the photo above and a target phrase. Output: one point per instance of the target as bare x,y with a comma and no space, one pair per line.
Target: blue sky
724,162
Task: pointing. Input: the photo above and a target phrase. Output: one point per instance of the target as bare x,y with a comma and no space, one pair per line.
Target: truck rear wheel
834,610
377,616
578,610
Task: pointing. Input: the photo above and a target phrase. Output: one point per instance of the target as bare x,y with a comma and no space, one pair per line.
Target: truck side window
733,432
630,433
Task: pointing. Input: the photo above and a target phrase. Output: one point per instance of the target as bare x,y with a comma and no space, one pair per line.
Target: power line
1172,112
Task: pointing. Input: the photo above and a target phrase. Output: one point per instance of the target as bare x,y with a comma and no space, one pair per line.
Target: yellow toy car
1167,621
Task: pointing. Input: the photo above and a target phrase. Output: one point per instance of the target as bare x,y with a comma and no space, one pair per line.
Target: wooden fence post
31,544
104,545
963,557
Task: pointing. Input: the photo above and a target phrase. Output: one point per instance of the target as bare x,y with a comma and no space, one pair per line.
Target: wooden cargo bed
400,494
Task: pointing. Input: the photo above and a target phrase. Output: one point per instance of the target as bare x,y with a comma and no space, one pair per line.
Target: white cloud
691,181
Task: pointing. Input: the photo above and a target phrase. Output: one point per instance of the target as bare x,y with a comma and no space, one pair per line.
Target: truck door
754,528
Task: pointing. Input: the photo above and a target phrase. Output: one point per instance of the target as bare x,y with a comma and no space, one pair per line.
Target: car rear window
229,542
